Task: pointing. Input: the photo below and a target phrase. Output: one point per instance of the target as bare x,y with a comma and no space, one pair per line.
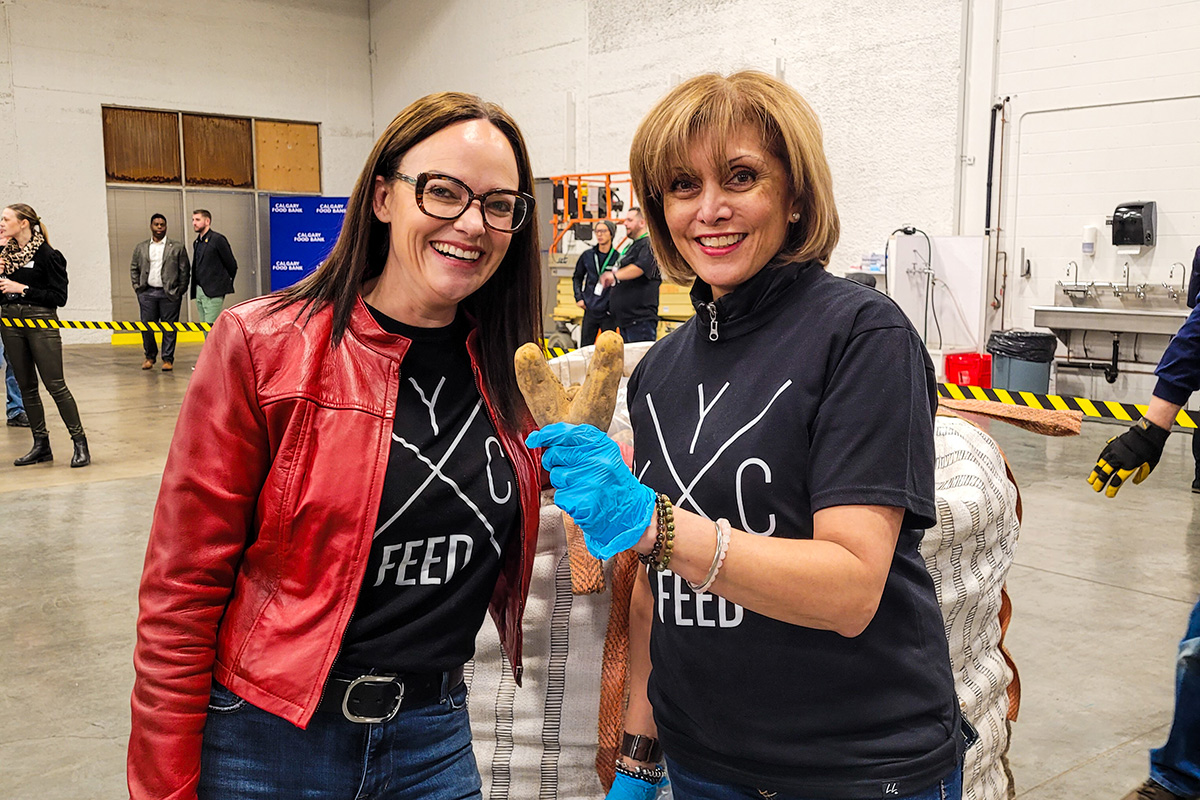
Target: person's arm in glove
595,487
833,581
1135,453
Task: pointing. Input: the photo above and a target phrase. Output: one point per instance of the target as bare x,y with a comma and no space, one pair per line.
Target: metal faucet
1140,291
1172,292
1182,275
1076,266
1116,289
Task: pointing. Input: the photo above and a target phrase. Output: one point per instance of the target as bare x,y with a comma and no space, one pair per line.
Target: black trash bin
1021,360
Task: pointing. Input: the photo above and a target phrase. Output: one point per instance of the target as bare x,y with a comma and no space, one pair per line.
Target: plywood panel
288,156
217,151
141,146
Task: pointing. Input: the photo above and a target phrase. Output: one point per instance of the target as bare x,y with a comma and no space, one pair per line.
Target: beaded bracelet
724,535
664,539
652,556
651,775
666,530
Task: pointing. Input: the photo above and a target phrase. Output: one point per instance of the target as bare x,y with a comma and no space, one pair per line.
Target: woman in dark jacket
593,262
786,640
33,285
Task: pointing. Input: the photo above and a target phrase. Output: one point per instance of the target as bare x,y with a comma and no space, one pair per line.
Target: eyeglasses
443,197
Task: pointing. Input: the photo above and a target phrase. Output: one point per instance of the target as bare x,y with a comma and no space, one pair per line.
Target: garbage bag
1034,346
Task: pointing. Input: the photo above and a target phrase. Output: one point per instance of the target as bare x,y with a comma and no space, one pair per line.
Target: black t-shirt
449,506
636,300
816,393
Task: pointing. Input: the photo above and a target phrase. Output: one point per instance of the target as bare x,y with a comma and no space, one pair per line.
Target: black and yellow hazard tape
1097,409
93,325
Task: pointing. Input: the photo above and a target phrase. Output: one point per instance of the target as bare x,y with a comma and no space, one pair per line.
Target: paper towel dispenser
1134,224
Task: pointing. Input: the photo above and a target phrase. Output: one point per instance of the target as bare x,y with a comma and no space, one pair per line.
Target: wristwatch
640,747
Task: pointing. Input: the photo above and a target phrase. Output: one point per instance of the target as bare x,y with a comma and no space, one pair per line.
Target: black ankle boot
81,457
39,453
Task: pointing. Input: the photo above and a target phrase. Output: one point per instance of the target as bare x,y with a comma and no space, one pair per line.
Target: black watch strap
640,747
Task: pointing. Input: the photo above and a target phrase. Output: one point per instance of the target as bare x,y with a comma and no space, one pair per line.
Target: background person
13,406
795,633
590,295
213,267
1174,767
1193,294
160,273
347,494
633,301
33,286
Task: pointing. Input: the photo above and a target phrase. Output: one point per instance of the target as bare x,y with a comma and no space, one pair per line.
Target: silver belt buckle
350,715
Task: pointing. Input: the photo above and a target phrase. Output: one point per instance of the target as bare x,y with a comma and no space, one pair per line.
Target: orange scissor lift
587,198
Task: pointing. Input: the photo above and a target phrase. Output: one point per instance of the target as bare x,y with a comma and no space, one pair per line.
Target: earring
795,216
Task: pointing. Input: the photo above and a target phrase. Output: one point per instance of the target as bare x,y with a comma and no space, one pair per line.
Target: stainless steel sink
1112,320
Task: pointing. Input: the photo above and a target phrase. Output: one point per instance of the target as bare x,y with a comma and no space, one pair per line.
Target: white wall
61,60
1105,109
578,75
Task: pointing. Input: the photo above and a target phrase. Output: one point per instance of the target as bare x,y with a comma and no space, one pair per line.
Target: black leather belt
378,698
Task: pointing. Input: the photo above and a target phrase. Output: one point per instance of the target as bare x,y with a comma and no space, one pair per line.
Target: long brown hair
715,106
508,307
26,212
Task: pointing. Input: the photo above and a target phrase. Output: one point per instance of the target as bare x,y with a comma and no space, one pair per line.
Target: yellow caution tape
109,325
1099,409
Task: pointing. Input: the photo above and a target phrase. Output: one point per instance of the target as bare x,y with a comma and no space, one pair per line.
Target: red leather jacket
263,527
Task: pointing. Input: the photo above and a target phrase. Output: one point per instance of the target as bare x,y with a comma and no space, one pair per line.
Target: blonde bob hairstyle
714,107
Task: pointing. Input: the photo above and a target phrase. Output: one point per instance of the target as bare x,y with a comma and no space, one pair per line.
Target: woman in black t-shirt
33,285
782,478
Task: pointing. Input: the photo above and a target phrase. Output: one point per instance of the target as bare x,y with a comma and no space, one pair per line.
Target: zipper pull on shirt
712,322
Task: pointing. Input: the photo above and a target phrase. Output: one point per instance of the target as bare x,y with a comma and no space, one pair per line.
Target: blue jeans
1176,765
424,752
12,392
640,331
689,786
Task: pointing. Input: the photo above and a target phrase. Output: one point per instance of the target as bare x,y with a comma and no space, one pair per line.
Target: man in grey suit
161,273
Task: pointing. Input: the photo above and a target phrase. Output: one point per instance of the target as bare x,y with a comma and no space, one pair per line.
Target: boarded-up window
141,146
288,157
217,151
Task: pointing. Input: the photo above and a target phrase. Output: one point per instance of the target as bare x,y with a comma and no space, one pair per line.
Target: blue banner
303,231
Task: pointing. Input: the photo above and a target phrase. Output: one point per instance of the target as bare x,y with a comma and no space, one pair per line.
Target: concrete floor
1101,590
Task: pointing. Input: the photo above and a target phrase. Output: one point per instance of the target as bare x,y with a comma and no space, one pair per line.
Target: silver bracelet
724,535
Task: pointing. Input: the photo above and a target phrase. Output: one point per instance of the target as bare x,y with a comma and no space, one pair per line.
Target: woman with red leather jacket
347,493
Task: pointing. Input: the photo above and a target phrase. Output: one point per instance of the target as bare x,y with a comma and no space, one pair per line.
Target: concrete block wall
579,75
1105,108
61,60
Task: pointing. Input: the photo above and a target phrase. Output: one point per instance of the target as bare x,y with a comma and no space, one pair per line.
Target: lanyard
607,259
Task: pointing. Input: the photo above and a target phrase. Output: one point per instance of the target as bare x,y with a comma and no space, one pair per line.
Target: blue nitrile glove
627,788
594,486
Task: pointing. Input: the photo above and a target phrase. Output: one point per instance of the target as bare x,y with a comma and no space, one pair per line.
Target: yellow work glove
1135,453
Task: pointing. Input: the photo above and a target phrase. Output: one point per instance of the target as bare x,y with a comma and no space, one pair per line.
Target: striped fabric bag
539,740
969,553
